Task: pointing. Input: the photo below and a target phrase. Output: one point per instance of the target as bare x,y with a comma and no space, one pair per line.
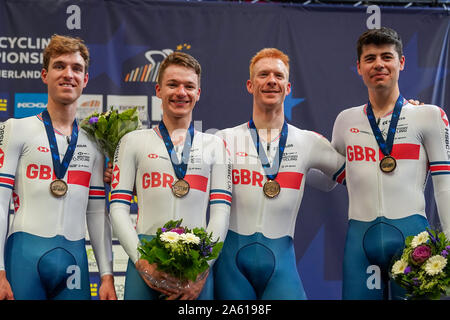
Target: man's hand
192,290
415,102
5,289
108,174
156,279
107,290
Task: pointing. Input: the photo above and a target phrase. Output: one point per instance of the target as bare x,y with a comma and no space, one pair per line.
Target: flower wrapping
423,268
179,251
107,128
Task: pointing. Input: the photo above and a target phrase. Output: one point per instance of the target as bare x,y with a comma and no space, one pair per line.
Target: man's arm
11,148
99,228
121,195
436,142
325,159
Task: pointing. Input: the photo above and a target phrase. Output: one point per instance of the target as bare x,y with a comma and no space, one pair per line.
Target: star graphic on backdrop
108,58
289,103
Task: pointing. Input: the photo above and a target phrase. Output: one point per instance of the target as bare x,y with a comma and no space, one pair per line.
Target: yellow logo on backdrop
3,104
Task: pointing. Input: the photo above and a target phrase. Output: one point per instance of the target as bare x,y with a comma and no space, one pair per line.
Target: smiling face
380,66
65,78
179,91
269,83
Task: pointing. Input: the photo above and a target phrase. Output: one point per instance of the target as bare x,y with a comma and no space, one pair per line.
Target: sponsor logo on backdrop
21,57
88,104
4,99
121,103
29,104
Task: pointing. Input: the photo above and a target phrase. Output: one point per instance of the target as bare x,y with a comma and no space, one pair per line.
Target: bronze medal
58,188
180,188
388,164
271,188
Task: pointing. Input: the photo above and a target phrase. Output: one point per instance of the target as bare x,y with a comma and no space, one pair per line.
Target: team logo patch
16,201
241,154
354,130
116,176
152,156
444,117
2,158
43,149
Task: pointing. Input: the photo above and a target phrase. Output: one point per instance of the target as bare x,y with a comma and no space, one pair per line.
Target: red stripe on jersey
220,196
197,182
121,196
7,181
96,192
404,151
440,168
291,180
81,178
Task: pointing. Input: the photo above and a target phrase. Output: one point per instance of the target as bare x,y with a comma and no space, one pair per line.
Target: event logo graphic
148,72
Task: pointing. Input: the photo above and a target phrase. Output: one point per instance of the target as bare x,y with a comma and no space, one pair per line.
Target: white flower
419,239
435,265
170,236
190,238
399,267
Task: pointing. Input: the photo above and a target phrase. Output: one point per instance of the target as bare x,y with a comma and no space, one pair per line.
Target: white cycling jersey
421,145
142,161
251,210
26,171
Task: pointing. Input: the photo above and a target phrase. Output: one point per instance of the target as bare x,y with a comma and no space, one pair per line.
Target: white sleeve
97,219
318,180
124,172
10,150
220,192
326,159
337,140
436,142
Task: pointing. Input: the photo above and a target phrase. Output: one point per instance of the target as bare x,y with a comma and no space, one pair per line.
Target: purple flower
163,229
416,282
447,248
93,120
444,253
421,253
178,230
206,250
407,270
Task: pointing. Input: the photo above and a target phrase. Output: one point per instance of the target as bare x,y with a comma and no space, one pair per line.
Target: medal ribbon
180,168
385,146
271,172
59,167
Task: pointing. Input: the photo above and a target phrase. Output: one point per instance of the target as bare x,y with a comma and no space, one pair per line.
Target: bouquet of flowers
179,251
109,127
423,269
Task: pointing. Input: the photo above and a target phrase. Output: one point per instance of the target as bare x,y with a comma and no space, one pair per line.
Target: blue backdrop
129,38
